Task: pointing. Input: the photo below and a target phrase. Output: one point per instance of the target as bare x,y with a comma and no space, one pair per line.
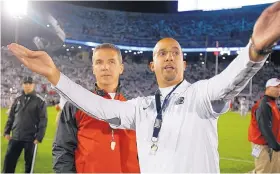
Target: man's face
28,87
168,63
107,66
274,91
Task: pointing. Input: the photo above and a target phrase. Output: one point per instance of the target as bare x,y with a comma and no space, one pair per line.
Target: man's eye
162,53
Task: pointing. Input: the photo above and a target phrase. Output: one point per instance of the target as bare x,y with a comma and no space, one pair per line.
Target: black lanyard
158,121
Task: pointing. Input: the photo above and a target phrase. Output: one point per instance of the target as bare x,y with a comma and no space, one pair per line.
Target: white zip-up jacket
188,139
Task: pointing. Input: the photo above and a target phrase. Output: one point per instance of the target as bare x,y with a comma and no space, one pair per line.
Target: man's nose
169,56
105,67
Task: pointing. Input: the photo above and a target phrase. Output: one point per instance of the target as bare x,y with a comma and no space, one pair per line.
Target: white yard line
239,160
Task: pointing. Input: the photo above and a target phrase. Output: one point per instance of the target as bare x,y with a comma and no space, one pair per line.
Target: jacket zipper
113,142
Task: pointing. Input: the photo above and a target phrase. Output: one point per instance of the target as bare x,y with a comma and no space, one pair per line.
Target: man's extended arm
235,77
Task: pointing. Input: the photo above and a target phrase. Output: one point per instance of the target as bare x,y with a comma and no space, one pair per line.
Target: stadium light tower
17,9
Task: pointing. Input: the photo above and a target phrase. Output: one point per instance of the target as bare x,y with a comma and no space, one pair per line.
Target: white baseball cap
272,82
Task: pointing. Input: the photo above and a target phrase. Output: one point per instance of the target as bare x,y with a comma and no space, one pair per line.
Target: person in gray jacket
27,121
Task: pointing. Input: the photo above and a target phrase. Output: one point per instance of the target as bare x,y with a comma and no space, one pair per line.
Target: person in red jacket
86,145
264,130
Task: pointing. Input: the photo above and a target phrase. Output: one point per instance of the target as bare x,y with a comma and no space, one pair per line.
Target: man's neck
167,84
27,93
112,88
270,97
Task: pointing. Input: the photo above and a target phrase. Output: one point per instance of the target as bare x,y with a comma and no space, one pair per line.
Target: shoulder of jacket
68,106
264,100
17,98
199,83
18,95
123,92
40,97
69,111
142,101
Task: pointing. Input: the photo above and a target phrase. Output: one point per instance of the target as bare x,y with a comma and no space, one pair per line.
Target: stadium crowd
192,29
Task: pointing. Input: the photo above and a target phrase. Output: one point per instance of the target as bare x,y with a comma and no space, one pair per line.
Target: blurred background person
27,121
264,130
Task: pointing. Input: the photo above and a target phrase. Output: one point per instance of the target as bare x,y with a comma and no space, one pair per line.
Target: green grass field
233,145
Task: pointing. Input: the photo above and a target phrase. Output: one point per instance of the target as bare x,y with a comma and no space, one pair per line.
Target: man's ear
121,69
93,69
185,65
151,66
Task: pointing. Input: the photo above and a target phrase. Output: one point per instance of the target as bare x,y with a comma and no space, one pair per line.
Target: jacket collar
269,97
103,93
182,87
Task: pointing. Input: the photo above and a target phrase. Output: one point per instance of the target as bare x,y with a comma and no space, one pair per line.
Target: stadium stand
229,27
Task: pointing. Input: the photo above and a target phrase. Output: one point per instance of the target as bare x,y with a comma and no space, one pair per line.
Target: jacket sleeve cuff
39,139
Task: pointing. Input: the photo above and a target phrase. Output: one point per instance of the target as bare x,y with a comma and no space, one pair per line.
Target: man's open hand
267,28
37,61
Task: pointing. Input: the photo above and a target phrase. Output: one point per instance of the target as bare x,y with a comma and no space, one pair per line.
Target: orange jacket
92,151
255,136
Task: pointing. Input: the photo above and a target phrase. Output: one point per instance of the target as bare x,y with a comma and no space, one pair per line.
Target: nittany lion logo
180,101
